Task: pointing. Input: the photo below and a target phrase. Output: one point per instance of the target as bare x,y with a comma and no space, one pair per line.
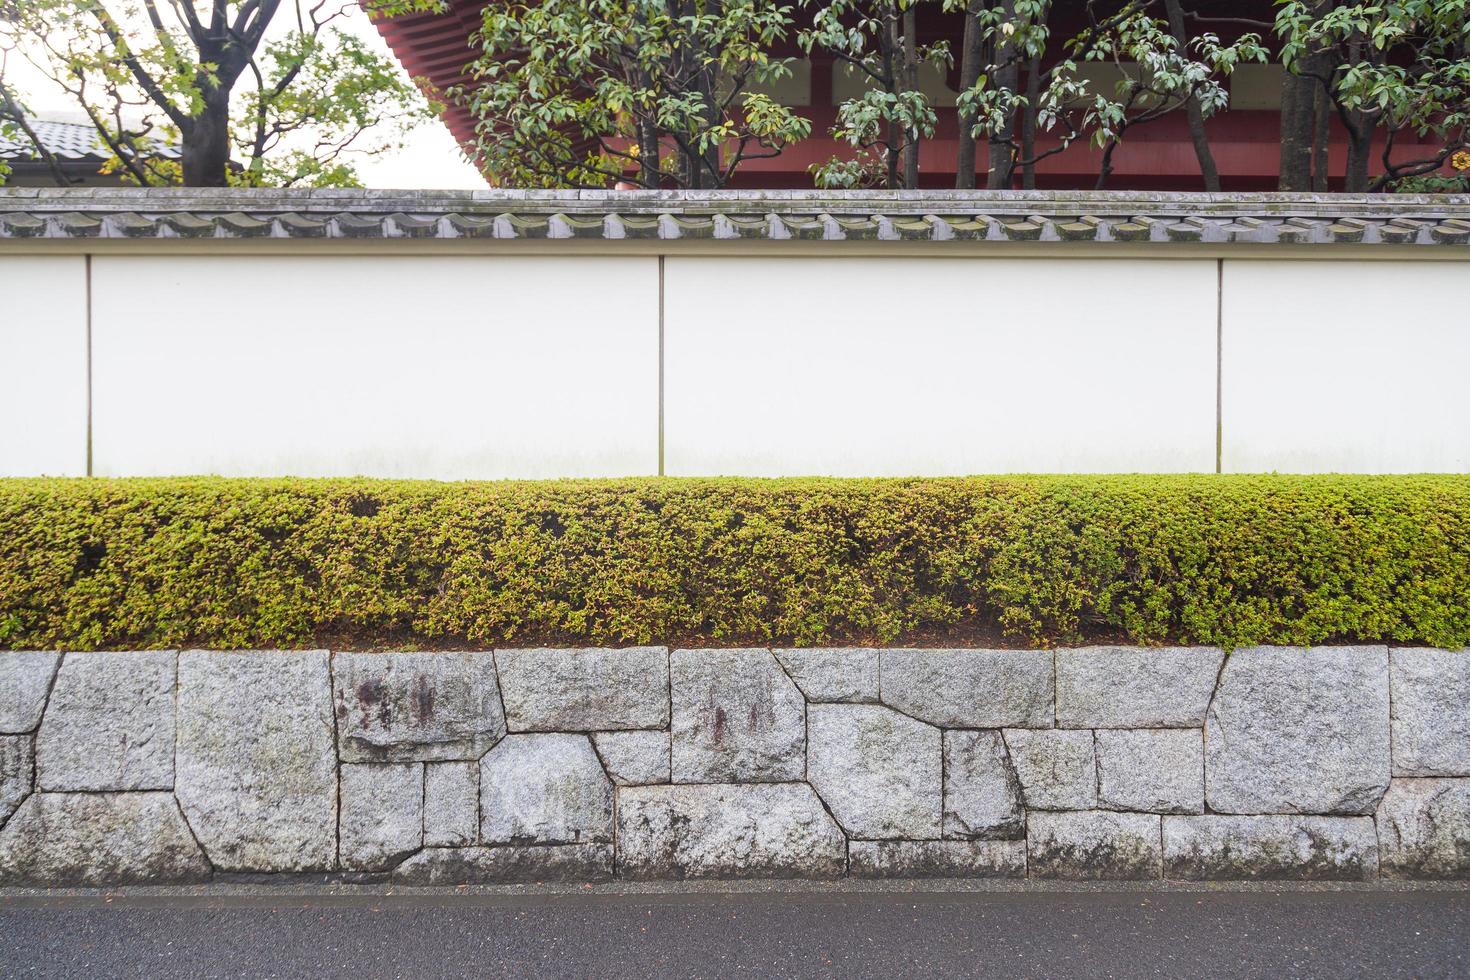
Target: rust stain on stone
423,699
372,697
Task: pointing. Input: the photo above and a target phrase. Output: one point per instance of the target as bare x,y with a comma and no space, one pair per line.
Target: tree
204,74
1390,66
1158,75
1193,107
879,40
585,93
1170,74
1000,39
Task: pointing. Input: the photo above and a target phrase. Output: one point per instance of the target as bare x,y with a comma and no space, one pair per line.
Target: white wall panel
441,367
934,366
43,365
1346,366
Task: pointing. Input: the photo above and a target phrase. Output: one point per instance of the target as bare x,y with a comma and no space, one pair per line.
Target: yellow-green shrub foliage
1198,559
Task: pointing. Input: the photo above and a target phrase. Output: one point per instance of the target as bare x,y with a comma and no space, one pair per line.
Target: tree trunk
892,157
1321,163
1360,128
1007,76
1298,96
1192,108
1305,102
970,58
1028,124
205,148
1322,65
893,78
911,84
1106,170
648,175
707,85
1360,151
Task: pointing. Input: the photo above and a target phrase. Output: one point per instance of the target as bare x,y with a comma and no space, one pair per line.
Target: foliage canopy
255,93
580,93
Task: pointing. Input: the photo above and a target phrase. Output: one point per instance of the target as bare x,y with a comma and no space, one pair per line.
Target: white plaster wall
937,366
43,354
1346,366
547,366
394,366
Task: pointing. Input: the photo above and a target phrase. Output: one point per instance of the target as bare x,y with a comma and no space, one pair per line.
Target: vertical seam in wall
1162,870
1392,755
337,759
45,707
943,782
1219,365
1097,794
660,365
1056,704
1204,731
87,265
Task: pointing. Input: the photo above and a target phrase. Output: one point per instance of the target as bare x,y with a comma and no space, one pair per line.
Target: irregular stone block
1057,769
737,718
25,677
109,724
406,707
837,674
382,818
544,789
938,859
1431,712
880,772
585,690
762,830
451,803
1219,848
1130,687
99,839
1155,770
1424,829
256,767
507,865
970,688
634,758
1295,730
982,796
17,772
1093,844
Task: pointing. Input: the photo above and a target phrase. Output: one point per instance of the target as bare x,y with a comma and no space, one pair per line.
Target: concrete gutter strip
827,216
245,894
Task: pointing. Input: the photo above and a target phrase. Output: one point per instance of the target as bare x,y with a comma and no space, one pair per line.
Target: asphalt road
1045,935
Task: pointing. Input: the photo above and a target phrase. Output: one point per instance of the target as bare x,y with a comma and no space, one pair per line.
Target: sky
431,159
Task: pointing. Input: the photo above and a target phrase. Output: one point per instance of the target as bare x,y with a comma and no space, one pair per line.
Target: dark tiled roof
932,216
68,142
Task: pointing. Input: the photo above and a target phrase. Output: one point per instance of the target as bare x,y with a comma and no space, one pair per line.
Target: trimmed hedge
365,563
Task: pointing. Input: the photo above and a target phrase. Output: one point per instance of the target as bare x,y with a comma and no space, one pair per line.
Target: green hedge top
368,564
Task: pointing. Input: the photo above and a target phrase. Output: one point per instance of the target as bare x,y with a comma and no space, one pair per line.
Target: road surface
1049,935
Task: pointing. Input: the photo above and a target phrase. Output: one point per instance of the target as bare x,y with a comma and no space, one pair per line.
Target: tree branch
145,80
12,111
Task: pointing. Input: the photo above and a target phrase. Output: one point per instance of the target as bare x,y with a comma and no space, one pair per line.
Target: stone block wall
1105,763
